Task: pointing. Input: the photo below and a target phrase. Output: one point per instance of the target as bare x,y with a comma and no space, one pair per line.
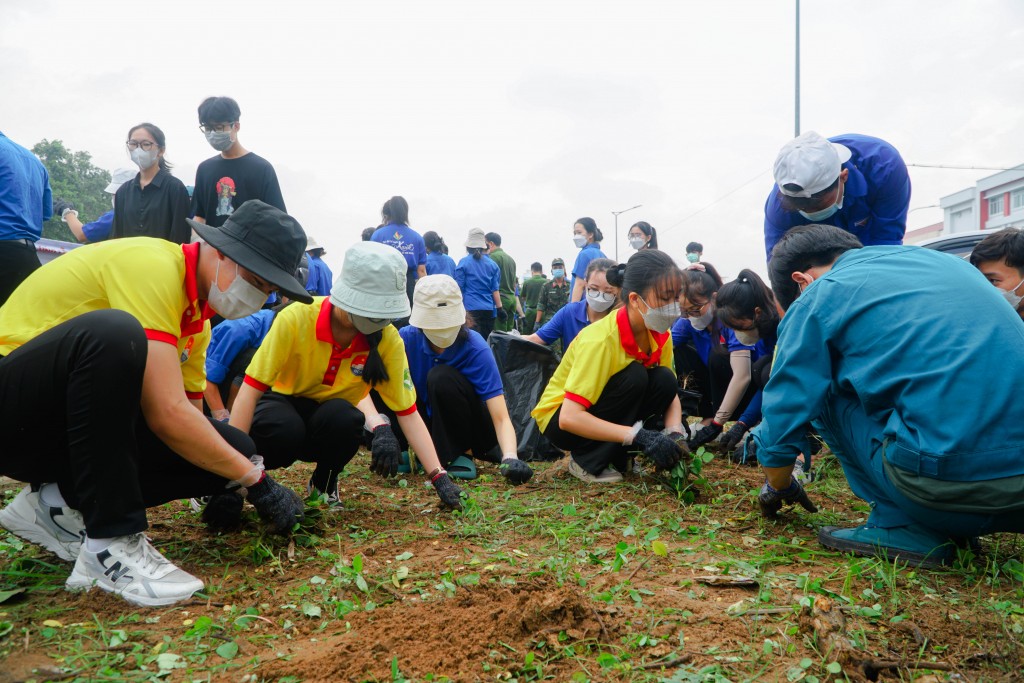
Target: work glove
704,435
277,505
733,437
386,452
447,491
771,501
516,471
60,206
502,314
223,511
660,449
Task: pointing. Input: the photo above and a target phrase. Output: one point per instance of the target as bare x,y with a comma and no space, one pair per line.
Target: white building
994,202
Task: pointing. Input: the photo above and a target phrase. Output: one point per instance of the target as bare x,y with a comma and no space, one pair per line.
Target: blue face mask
816,216
557,272
692,257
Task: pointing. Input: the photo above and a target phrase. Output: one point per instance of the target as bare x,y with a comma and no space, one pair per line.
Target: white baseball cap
119,178
437,303
811,163
372,282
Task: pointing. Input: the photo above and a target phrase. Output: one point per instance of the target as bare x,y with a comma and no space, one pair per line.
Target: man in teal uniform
921,409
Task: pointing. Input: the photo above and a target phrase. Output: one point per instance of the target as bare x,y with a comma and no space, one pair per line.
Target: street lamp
616,214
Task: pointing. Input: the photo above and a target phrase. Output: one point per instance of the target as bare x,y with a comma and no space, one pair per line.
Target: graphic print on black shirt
222,185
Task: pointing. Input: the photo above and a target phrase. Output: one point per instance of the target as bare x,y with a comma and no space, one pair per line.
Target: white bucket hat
437,303
311,243
811,163
119,178
372,282
476,239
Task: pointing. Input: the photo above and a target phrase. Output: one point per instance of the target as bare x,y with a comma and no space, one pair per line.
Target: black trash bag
525,369
689,401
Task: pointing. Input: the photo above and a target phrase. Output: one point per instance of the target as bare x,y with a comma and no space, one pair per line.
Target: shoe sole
588,478
29,531
909,557
80,583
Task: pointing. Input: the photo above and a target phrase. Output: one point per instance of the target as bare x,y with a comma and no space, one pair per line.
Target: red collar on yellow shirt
190,323
628,341
324,334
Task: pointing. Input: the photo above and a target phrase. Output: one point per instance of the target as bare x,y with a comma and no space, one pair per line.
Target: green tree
74,179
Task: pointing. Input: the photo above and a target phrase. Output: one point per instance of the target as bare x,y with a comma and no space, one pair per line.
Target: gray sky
521,117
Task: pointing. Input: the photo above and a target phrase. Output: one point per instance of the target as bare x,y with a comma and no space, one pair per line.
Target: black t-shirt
157,210
223,185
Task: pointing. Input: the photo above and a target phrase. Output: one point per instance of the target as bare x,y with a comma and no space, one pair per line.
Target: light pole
796,89
616,214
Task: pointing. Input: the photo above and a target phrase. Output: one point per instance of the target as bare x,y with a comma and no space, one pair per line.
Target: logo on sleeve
407,380
358,363
187,351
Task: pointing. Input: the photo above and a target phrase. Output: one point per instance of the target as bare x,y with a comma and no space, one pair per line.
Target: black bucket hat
265,241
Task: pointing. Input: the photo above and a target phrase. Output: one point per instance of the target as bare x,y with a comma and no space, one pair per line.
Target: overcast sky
521,117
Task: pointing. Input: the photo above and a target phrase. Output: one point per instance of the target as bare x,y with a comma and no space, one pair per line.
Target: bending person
571,318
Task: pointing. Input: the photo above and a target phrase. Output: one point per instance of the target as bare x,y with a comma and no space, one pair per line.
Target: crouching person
92,402
300,396
615,388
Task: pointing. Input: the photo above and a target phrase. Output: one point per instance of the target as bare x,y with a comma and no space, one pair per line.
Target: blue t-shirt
765,346
406,240
565,324
99,229
320,277
439,263
471,357
478,279
875,200
586,255
25,199
230,338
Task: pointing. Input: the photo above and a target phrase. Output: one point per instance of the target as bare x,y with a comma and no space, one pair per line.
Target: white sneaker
58,529
331,497
132,568
608,476
197,504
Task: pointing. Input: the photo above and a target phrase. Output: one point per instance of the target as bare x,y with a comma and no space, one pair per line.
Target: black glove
771,501
704,435
59,206
516,471
386,452
662,450
502,314
223,511
277,505
733,437
447,491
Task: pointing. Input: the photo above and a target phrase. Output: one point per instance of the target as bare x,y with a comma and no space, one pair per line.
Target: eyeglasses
698,311
217,127
144,144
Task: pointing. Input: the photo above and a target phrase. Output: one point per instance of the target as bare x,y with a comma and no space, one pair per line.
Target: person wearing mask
1000,258
530,291
26,203
438,260
93,405
643,236
320,276
615,389
458,387
694,252
507,282
598,302
301,394
395,232
888,398
708,354
235,175
587,238
854,182
553,295
478,278
99,229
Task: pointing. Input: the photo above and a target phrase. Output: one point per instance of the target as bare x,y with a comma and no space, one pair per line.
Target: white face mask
238,300
598,301
1011,295
824,213
144,159
662,318
579,240
443,338
701,322
368,325
219,140
747,337
637,242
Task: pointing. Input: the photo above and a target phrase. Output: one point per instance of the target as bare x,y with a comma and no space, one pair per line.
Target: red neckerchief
628,341
192,319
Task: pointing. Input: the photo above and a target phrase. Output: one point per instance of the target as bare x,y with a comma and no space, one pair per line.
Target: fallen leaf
7,595
53,623
727,581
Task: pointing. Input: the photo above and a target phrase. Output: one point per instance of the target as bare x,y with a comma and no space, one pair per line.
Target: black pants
290,428
69,414
483,322
634,393
720,371
18,259
459,422
694,375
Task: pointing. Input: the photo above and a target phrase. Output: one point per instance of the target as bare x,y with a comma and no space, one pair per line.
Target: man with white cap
854,182
320,276
100,228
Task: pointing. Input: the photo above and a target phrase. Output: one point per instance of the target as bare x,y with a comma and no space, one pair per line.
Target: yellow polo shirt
599,351
299,357
152,279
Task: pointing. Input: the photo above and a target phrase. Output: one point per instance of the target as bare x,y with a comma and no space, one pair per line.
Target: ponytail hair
645,270
476,252
374,371
647,229
702,282
590,225
738,300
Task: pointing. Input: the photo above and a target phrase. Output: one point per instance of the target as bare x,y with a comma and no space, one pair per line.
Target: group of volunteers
143,369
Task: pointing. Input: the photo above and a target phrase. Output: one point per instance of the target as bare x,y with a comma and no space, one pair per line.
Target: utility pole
616,214
796,108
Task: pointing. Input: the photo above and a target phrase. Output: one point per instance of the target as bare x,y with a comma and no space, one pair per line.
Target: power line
705,208
967,168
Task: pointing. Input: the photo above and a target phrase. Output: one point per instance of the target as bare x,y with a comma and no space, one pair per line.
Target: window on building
995,206
1017,200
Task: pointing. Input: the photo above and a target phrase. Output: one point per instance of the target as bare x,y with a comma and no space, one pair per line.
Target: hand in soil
386,452
277,505
516,471
448,492
732,438
771,501
659,448
224,511
704,435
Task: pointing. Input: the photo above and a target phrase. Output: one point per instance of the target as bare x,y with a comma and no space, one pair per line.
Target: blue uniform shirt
25,199
99,229
586,255
230,338
704,340
440,264
320,277
763,347
876,331
565,324
406,240
875,201
471,357
478,278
